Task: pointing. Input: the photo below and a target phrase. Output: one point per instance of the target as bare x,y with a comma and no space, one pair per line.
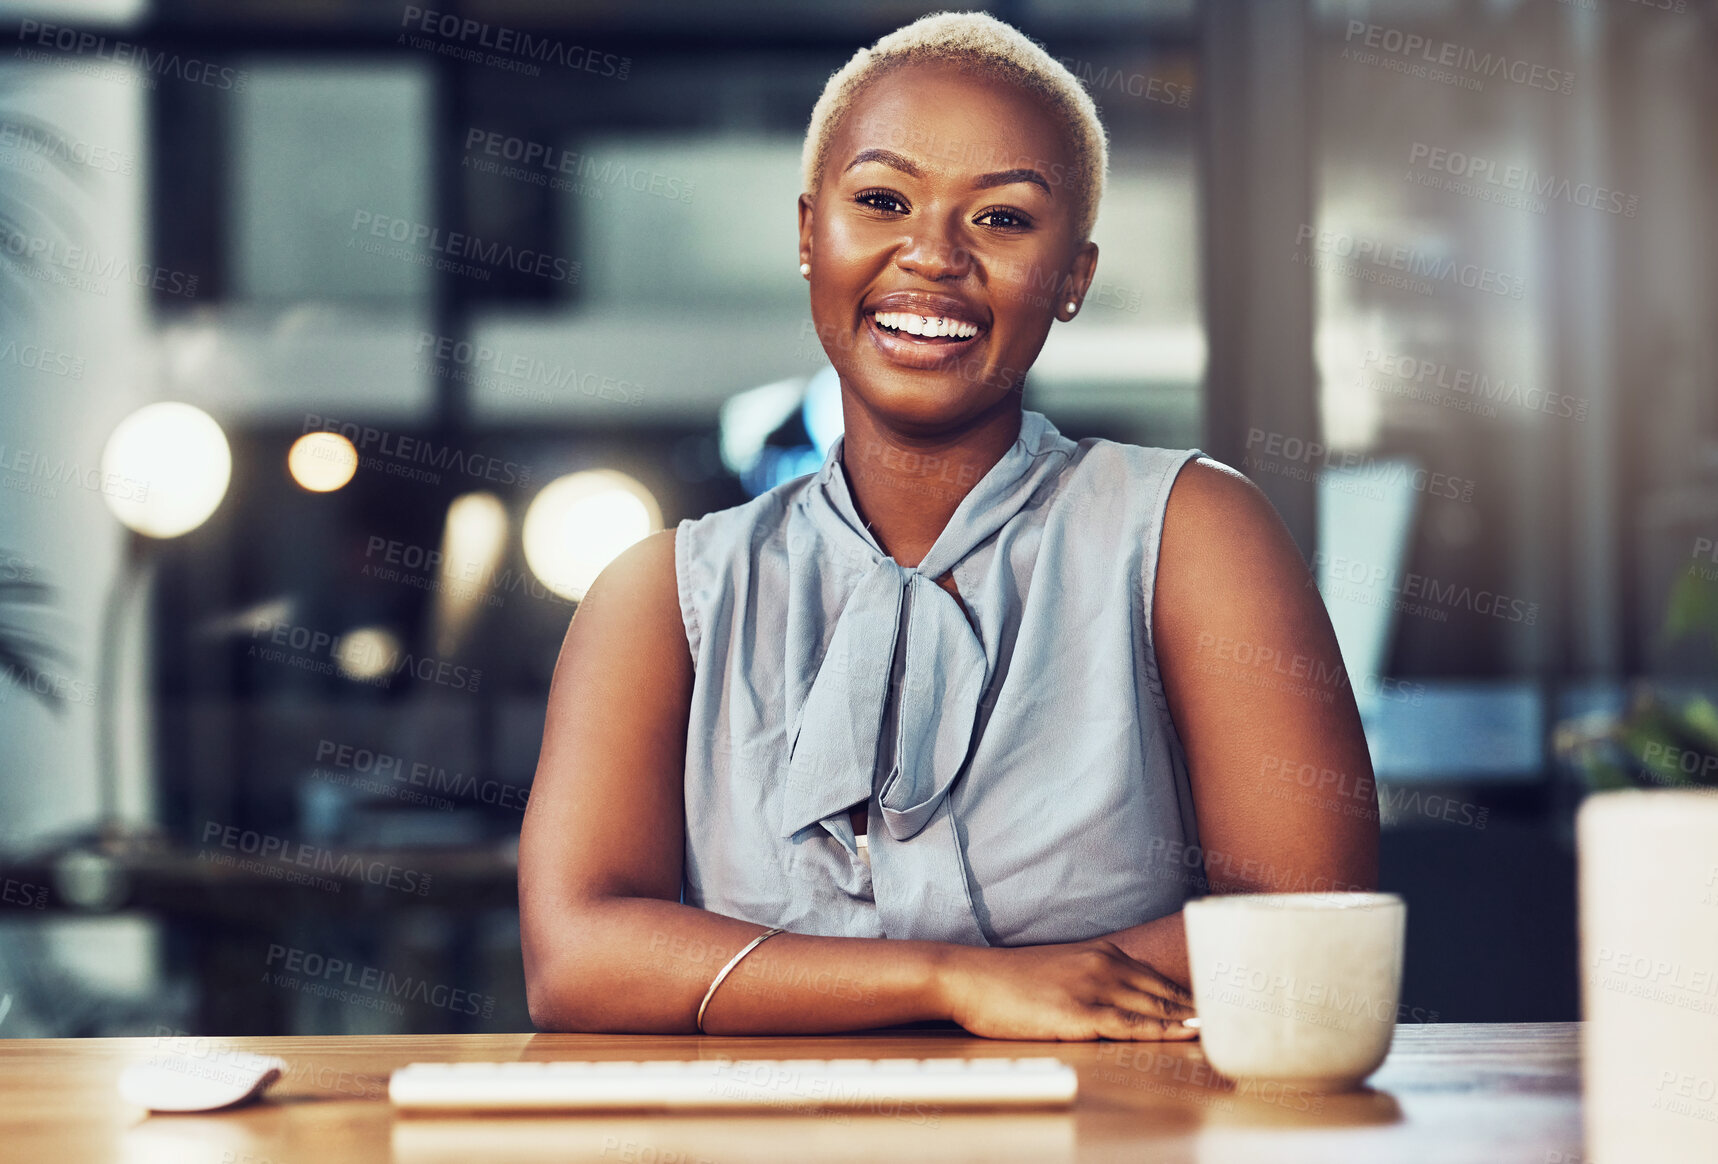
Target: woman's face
949,197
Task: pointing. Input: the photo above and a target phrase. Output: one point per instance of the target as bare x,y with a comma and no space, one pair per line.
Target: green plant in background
24,654
1659,741
32,146
1693,608
24,199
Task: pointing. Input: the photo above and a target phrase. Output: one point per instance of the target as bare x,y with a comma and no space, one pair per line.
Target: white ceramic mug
1649,974
1298,988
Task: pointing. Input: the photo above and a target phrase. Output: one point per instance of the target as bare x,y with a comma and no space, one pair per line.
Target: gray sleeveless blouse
1023,780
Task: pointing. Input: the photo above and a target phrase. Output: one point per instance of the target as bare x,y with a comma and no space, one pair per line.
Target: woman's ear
804,234
1079,279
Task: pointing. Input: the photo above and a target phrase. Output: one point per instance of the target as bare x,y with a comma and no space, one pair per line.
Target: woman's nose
934,255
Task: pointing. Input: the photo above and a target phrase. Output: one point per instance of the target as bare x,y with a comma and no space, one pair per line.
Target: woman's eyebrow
1005,177
983,182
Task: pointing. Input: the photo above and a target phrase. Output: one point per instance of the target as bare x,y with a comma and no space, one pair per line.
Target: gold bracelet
723,972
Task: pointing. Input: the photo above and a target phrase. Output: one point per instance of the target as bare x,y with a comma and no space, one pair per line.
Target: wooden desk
1491,1094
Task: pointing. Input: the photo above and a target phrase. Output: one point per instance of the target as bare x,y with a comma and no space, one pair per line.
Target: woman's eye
891,203
881,200
1011,220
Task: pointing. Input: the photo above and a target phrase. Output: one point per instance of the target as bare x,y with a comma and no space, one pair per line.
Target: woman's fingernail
1191,1023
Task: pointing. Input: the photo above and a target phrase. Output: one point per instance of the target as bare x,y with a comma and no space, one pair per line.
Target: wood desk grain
1486,1094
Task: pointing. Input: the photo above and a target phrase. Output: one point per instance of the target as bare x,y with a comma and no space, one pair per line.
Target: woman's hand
1081,990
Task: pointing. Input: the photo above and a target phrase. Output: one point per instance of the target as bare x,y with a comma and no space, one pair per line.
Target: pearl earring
805,268
1072,307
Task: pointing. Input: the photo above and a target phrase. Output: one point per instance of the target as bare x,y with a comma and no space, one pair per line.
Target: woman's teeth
929,326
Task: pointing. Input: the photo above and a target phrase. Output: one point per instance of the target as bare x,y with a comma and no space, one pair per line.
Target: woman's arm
609,947
1282,781
607,944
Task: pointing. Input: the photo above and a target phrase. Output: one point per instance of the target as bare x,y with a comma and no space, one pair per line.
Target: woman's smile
924,331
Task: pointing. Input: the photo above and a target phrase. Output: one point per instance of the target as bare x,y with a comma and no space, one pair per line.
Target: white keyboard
752,1084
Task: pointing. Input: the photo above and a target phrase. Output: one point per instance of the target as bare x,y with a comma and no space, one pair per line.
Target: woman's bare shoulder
1207,491
637,594
1225,548
631,612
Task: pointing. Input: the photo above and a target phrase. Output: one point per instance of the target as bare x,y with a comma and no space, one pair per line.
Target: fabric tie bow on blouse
918,878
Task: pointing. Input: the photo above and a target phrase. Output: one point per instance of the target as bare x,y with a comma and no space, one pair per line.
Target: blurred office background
1439,275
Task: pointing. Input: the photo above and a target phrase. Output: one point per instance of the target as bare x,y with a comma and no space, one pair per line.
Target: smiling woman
961,716
952,176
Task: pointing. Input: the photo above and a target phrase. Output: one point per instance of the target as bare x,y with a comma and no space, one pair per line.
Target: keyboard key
737,1084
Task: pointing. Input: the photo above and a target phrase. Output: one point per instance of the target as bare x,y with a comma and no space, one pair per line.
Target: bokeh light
366,653
165,469
581,522
322,461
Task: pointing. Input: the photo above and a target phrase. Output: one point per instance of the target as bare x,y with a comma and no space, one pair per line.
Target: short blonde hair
992,49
